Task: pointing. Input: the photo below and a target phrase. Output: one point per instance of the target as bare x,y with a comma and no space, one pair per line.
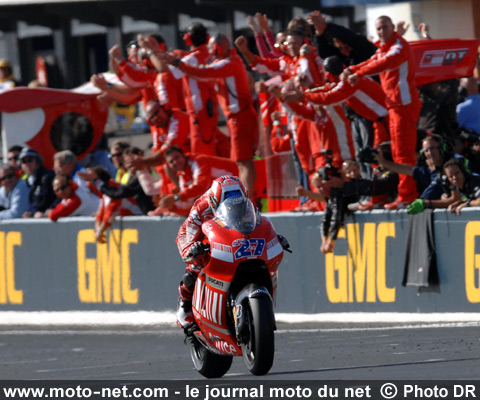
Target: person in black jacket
336,40
39,180
100,177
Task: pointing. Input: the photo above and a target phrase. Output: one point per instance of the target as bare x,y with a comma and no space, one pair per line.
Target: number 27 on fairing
249,247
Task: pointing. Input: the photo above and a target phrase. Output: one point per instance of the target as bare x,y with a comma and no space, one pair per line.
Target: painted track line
151,318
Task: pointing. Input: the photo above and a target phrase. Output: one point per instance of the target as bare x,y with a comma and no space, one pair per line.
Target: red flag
440,59
51,120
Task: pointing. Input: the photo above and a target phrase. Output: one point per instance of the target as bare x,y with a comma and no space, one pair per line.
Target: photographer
329,182
369,156
339,189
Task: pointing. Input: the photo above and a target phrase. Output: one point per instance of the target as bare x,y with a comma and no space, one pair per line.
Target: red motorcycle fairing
229,250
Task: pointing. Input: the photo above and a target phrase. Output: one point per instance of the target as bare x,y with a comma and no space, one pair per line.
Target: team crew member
200,96
279,66
138,76
171,129
299,59
142,74
365,98
195,172
325,136
275,43
393,62
236,101
74,201
171,126
110,206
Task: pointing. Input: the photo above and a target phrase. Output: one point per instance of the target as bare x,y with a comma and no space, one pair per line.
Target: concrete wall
446,18
46,266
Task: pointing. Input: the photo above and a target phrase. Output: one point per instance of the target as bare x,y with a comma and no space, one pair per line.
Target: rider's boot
184,309
184,314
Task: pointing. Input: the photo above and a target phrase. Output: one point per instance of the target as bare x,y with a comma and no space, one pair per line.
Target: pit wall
46,266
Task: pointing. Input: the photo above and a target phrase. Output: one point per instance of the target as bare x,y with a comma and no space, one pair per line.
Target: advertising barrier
46,266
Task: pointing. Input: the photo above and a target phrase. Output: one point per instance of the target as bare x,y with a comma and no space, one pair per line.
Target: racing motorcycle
234,293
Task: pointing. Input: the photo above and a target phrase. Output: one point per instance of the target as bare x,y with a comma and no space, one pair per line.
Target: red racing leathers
393,62
195,180
189,233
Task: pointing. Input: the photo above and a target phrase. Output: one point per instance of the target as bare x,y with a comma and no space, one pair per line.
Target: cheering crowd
362,135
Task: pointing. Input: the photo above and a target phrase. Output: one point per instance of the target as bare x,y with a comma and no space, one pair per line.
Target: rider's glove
416,206
284,243
198,249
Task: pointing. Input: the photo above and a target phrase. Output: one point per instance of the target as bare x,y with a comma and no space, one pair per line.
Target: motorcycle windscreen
238,214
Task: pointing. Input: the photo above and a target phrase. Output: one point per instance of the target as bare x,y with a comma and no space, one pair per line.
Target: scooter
234,294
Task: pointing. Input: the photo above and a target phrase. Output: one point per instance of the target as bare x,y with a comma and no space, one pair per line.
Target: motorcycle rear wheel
259,349
208,364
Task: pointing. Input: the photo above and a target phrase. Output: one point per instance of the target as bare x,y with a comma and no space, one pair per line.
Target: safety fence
46,266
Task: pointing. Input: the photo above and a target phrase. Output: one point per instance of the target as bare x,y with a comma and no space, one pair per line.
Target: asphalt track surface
315,351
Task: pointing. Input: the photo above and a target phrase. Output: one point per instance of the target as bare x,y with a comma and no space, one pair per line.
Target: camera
143,54
368,155
327,171
468,137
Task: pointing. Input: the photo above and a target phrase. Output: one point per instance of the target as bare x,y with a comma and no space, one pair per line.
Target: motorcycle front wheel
258,351
209,364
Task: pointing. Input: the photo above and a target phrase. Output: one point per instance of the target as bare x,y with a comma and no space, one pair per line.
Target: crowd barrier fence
47,266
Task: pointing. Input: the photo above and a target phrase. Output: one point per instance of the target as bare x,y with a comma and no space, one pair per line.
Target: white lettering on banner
442,57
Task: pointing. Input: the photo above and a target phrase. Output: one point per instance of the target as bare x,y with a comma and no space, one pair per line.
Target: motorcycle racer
190,239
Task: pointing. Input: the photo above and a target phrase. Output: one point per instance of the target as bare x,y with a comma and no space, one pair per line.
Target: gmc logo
436,58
